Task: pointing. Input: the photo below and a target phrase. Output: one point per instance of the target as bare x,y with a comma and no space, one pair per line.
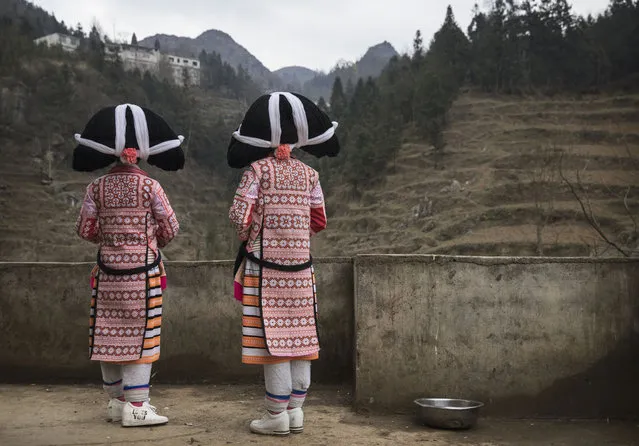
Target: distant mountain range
312,83
309,82
370,65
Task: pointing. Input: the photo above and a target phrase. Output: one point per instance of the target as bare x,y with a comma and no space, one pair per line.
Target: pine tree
134,40
79,31
338,100
96,48
156,45
350,88
418,45
322,105
450,50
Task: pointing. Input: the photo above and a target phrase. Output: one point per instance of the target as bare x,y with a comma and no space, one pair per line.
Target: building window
178,61
171,59
195,64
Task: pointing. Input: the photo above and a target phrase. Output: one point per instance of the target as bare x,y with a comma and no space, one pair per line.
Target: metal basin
444,413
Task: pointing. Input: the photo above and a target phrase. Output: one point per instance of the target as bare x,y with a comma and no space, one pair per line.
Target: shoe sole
275,433
297,430
145,424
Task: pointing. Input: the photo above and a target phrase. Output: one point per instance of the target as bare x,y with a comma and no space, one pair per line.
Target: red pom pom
283,152
129,156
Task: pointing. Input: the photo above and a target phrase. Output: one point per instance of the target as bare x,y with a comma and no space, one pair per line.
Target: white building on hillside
185,71
181,70
68,43
136,57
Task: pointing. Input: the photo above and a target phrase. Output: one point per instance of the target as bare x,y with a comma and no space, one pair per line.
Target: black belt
266,264
126,272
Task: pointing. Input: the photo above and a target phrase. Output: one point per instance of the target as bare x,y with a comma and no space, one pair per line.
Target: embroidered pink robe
278,205
129,216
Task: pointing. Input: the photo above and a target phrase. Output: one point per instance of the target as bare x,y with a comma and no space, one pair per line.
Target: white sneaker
146,415
271,424
114,410
296,420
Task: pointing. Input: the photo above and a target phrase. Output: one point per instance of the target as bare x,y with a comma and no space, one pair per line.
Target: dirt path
219,415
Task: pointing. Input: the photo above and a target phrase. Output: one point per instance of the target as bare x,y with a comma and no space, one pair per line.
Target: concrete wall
44,324
529,337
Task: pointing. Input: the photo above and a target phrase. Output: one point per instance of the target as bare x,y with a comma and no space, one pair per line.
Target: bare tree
541,182
624,244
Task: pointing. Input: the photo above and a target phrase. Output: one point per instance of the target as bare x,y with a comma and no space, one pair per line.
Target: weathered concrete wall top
44,315
529,337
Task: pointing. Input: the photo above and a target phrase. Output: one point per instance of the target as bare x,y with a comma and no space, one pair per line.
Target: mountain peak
214,32
384,49
214,41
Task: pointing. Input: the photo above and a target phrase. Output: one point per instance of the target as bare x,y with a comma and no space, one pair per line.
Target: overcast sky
313,34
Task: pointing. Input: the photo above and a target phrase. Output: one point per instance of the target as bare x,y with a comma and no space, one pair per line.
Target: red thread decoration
283,152
129,156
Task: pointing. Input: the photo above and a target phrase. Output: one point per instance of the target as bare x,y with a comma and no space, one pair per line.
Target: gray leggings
130,381
286,384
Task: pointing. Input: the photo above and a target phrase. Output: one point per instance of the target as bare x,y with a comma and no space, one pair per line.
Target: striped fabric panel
94,293
151,346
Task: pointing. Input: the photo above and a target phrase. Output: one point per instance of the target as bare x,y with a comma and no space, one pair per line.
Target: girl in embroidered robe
128,215
278,206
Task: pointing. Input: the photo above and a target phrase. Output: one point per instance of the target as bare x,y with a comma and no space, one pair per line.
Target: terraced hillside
499,187
495,190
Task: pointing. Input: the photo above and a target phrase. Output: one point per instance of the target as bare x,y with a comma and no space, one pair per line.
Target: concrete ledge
486,260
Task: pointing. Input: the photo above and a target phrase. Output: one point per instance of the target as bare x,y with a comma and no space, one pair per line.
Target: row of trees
541,44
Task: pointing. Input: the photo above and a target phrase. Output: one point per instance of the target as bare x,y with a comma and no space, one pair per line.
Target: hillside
48,97
495,184
34,20
218,42
498,184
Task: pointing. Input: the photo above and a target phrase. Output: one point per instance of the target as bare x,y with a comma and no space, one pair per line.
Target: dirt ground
219,415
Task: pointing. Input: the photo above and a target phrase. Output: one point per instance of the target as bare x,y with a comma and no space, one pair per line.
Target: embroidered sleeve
241,211
318,209
167,222
87,225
